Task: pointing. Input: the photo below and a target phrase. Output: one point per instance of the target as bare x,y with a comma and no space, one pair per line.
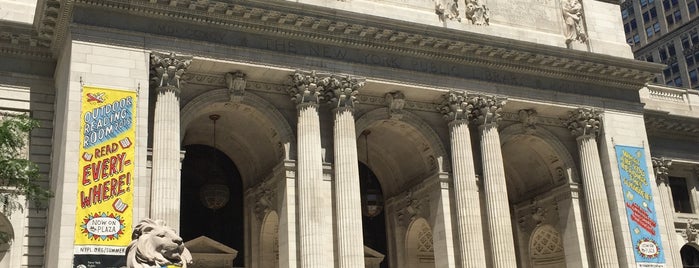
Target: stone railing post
584,123
166,71
457,111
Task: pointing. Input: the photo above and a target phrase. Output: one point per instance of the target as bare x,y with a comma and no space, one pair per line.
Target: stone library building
354,133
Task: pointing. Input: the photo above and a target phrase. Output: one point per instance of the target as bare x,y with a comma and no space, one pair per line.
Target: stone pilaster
307,91
585,124
486,113
661,167
341,92
457,111
166,71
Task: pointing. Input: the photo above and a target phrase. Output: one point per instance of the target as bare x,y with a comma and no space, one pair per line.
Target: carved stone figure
529,118
690,233
573,17
477,13
447,10
396,103
236,86
154,244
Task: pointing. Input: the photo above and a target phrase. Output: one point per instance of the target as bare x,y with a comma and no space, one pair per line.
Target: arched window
690,256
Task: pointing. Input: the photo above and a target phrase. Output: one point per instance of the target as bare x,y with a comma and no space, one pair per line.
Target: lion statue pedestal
154,245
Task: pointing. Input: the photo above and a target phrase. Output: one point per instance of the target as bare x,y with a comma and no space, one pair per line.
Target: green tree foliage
18,175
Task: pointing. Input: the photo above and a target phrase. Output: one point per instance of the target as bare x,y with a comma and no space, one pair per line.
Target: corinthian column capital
167,69
307,87
456,107
486,109
342,90
661,167
584,121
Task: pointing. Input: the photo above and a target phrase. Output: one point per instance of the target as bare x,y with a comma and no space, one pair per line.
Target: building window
624,13
666,4
633,24
692,6
646,16
636,39
649,31
680,195
663,54
693,76
644,3
671,49
649,58
667,73
685,42
695,38
656,27
690,60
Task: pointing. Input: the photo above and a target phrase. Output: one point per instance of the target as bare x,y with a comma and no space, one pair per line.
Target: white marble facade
490,133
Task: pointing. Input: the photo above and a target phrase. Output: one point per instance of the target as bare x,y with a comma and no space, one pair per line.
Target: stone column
457,112
342,93
661,167
307,92
585,124
166,71
486,113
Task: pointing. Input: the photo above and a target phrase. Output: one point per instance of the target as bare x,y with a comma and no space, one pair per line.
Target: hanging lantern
214,193
372,197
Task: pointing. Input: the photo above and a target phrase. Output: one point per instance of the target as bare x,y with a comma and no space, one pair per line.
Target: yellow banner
105,172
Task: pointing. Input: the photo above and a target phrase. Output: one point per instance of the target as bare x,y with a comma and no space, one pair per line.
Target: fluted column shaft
661,167
496,201
599,219
165,185
350,242
310,175
585,124
468,211
457,110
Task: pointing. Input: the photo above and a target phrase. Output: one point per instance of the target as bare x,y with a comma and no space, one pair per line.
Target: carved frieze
661,166
167,69
447,10
236,83
396,102
584,121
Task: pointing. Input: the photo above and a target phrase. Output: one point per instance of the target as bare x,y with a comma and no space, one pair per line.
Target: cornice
672,125
20,40
342,28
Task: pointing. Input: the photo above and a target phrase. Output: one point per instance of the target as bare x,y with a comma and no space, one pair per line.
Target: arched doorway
373,216
540,177
204,166
419,245
690,256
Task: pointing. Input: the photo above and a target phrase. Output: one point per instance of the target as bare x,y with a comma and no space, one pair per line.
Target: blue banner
640,208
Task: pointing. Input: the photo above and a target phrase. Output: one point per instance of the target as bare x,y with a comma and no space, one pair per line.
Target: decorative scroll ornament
584,121
529,118
447,10
411,209
661,166
342,89
265,198
456,106
236,86
486,109
167,69
477,13
307,87
574,20
689,233
396,102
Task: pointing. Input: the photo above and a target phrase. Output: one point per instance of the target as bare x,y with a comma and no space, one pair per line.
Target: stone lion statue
154,244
